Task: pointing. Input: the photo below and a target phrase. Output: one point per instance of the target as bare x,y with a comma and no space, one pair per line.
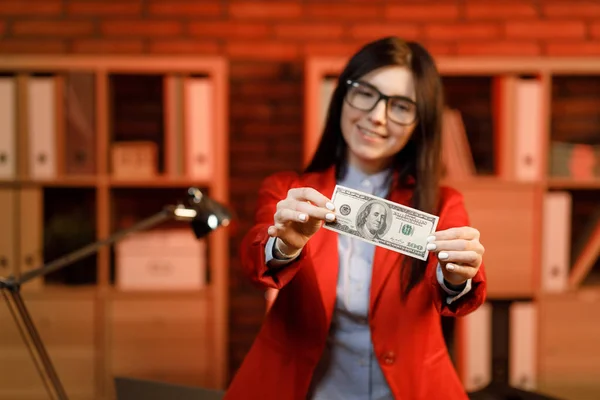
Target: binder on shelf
30,228
477,348
174,128
556,241
41,123
80,123
504,106
529,129
456,151
523,345
8,128
199,128
8,239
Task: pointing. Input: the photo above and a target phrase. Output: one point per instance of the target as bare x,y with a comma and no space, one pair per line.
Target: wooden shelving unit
508,207
94,330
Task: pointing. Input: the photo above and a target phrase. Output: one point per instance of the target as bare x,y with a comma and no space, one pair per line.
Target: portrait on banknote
373,220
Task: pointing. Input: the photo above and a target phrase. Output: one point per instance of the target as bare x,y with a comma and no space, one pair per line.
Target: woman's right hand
299,216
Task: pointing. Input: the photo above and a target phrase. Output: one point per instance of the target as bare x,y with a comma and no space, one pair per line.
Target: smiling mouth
369,133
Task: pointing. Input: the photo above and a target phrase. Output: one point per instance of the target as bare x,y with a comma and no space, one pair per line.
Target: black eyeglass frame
353,83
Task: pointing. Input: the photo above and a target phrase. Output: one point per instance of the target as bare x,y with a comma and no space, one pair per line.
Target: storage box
168,259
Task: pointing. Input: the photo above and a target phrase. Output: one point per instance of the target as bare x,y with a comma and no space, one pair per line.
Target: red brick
247,30
595,30
52,28
426,12
141,28
30,7
184,46
336,12
100,46
376,31
512,10
264,10
545,30
308,31
583,9
330,49
462,31
185,8
573,49
254,70
439,48
93,8
501,48
262,50
32,46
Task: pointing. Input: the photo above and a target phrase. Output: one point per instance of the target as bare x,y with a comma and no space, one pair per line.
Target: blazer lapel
384,260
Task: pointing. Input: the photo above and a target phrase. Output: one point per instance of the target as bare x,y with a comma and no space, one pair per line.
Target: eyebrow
398,96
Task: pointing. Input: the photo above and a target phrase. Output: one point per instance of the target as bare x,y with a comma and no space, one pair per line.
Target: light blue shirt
349,368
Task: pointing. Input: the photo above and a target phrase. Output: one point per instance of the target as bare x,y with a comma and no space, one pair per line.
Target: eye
402,105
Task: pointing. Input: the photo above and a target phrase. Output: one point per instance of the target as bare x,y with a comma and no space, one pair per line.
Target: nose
377,114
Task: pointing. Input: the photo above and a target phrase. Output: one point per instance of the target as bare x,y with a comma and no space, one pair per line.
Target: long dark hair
418,163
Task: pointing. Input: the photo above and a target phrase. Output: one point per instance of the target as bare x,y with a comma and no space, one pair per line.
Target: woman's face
374,136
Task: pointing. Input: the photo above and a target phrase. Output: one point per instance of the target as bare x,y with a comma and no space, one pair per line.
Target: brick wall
266,42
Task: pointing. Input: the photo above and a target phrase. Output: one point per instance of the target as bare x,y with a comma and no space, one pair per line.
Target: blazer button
389,358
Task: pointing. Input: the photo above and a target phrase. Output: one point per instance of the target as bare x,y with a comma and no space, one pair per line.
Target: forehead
392,81
377,208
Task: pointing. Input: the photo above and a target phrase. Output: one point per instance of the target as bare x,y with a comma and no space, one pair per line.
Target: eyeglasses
365,97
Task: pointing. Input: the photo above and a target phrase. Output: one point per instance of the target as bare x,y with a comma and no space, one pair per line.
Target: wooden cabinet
64,191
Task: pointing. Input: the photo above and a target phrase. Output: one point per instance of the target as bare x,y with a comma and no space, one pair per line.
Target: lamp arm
166,214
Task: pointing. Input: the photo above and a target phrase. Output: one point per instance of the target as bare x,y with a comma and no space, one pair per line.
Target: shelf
116,294
158,182
66,182
567,184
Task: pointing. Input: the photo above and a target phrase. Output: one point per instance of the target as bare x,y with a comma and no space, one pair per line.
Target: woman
352,320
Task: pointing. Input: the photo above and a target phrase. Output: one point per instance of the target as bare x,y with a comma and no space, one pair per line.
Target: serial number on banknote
381,222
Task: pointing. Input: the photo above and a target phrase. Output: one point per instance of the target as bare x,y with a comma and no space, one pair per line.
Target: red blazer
407,336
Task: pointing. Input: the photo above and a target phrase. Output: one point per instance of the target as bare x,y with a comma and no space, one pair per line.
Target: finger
314,211
456,245
464,271
470,258
288,215
464,232
312,195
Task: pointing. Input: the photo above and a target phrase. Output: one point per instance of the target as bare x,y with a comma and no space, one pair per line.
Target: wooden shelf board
157,182
570,183
117,294
67,182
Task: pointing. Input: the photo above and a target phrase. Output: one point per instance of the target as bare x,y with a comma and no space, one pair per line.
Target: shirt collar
371,183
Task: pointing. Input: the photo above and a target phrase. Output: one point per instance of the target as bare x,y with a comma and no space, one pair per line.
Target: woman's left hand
458,251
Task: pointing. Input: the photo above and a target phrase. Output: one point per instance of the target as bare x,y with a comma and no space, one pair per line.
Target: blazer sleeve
453,214
252,249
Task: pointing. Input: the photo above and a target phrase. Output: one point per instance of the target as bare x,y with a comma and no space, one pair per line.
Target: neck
370,167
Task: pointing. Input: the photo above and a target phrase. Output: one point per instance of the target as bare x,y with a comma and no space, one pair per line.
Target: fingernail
443,255
330,206
330,217
431,246
302,217
450,267
431,239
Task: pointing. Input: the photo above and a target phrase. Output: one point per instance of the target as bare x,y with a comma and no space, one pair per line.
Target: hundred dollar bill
382,222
